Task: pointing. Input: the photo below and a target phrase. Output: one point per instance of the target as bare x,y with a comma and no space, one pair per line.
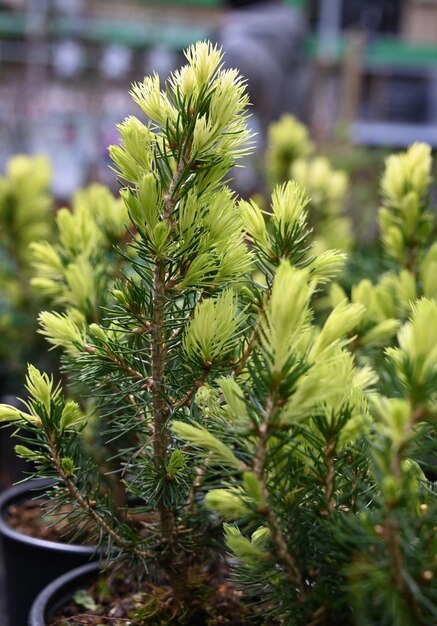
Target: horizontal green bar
382,52
401,53
132,34
12,24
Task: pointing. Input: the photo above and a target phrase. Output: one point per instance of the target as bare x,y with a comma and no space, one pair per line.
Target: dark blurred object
263,40
402,96
238,4
374,17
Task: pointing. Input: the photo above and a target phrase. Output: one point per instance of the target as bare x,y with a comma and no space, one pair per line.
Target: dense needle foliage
225,400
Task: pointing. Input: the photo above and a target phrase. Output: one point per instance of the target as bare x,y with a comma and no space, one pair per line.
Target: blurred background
365,68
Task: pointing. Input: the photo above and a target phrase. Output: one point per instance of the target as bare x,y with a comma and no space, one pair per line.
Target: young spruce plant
226,400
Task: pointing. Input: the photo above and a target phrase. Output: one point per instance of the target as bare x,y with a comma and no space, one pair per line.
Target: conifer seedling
228,402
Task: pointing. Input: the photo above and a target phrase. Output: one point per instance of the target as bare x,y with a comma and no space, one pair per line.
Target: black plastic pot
56,595
30,563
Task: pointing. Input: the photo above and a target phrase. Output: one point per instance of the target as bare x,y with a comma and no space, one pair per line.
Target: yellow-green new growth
407,172
25,203
74,271
10,414
325,186
342,320
250,552
212,334
287,140
327,189
234,397
255,224
325,386
428,273
201,438
41,388
417,352
145,207
228,502
287,316
405,220
221,130
289,202
64,330
379,303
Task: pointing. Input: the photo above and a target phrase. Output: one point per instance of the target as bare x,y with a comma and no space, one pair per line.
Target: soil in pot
118,600
30,562
32,518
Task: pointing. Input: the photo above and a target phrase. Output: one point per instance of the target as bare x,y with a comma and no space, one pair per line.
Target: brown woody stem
161,433
330,473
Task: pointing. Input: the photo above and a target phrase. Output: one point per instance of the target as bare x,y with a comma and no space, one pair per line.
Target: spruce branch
390,537
259,468
89,506
253,339
187,398
250,345
330,451
121,362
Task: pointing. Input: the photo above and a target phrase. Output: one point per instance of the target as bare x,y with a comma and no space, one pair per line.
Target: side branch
88,506
330,474
123,364
252,341
246,352
276,531
190,393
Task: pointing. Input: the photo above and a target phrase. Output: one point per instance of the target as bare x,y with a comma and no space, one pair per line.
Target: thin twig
252,341
330,473
122,363
190,393
87,506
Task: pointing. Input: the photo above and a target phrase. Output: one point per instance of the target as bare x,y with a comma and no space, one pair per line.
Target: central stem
160,410
161,433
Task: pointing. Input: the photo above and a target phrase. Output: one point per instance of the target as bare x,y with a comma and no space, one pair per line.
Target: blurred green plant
407,228
287,140
289,155
26,214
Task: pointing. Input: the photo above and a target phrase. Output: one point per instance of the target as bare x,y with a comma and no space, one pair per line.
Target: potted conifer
227,400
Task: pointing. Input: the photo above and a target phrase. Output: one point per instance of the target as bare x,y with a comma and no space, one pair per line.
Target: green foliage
25,215
25,203
222,393
407,226
327,189
77,270
288,155
287,141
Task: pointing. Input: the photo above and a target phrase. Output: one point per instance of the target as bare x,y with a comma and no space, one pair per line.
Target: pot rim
12,493
39,606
